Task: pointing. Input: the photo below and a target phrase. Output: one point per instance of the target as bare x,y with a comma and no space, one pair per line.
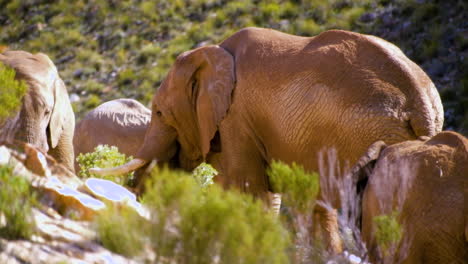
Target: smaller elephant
121,123
45,119
425,183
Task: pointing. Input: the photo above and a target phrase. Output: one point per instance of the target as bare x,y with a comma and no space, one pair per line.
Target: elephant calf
121,123
45,119
424,182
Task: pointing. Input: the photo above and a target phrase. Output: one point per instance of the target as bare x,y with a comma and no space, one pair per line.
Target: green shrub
16,201
204,174
195,226
192,224
388,231
121,230
299,188
104,157
92,101
11,92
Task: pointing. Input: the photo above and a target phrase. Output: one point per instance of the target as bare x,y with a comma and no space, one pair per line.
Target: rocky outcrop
63,215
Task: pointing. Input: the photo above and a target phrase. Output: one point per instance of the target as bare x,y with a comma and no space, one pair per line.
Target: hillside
112,49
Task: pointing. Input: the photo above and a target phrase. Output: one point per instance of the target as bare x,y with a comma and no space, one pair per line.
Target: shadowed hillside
112,49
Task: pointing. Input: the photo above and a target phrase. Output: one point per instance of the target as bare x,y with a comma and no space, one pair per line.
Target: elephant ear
60,112
212,86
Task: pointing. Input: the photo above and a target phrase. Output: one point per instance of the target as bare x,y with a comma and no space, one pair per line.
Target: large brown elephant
121,123
262,95
46,118
426,183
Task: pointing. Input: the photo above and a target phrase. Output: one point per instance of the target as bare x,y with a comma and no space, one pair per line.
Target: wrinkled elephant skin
45,119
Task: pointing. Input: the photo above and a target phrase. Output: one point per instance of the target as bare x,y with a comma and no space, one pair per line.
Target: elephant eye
47,112
158,113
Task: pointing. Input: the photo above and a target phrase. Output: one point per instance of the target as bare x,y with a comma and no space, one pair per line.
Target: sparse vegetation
388,232
191,224
121,230
299,189
104,156
16,201
204,174
11,92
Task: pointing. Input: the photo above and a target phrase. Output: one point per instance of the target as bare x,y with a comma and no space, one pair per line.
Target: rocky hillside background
108,49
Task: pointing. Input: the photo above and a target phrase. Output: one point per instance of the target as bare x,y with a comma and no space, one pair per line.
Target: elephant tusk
126,168
275,202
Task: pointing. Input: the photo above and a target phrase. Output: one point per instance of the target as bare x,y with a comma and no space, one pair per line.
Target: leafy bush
121,230
11,92
388,231
104,157
16,201
192,224
204,174
298,187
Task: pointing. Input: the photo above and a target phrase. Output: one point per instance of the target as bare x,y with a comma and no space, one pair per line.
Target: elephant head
187,109
46,118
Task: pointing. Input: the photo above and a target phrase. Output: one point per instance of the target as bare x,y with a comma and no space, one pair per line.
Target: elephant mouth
184,161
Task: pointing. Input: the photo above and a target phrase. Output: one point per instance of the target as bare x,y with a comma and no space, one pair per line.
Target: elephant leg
240,164
326,227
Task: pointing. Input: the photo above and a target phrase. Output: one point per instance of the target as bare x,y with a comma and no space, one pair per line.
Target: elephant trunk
159,144
126,168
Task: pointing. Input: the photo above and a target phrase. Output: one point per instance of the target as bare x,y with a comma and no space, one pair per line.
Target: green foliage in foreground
11,92
120,230
388,231
16,201
191,224
204,174
299,188
104,156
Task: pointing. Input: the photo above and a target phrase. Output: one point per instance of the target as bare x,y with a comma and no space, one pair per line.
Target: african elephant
121,123
46,119
264,95
425,182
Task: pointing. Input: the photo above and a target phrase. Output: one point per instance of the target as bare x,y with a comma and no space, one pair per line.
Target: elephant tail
427,115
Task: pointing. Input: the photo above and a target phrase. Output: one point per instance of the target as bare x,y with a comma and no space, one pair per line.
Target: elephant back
121,123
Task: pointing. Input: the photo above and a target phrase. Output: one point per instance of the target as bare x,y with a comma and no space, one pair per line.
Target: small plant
298,187
190,224
11,92
16,201
121,230
104,157
204,174
388,231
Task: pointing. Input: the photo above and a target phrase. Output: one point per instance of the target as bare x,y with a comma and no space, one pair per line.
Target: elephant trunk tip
126,168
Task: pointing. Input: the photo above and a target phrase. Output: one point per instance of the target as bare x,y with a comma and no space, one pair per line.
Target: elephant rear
424,182
424,111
